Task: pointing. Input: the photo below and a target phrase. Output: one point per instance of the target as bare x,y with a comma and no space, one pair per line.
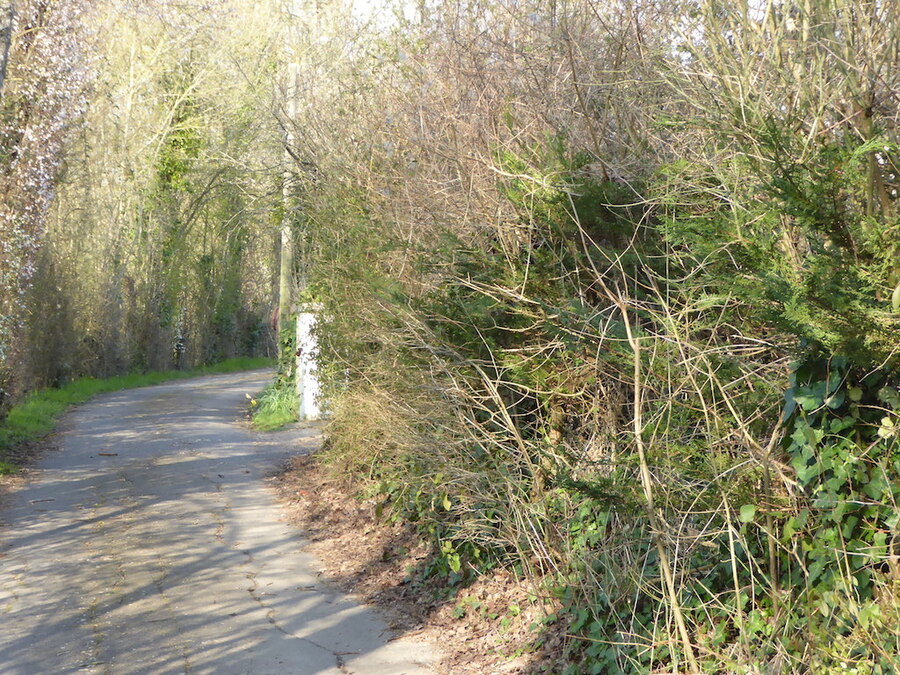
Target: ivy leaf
889,396
887,428
790,528
892,520
836,400
875,487
790,404
813,436
809,402
747,513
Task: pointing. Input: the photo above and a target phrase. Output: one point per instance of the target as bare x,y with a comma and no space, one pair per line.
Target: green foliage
276,406
157,253
556,349
844,446
179,151
507,341
795,242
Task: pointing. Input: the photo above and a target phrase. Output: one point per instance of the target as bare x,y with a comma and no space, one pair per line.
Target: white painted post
307,379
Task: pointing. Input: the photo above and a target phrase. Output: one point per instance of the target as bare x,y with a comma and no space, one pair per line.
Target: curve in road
148,542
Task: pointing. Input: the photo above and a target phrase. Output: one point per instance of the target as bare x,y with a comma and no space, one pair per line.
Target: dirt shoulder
484,628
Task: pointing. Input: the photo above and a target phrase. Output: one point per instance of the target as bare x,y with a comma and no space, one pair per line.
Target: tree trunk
7,19
285,282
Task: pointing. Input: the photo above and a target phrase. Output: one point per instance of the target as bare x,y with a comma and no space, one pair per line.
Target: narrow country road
149,543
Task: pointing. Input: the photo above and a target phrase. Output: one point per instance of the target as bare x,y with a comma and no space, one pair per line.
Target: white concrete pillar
307,378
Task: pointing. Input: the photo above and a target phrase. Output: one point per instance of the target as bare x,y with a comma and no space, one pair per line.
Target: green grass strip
37,415
276,407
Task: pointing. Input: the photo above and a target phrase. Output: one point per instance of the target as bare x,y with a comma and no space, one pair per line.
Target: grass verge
276,407
37,415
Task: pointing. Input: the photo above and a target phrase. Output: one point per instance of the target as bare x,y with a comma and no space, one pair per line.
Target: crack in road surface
132,547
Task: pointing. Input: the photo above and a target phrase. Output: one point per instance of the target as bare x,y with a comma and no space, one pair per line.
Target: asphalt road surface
149,543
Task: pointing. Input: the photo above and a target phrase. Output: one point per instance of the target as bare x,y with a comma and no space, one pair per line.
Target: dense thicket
611,295
144,236
43,76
